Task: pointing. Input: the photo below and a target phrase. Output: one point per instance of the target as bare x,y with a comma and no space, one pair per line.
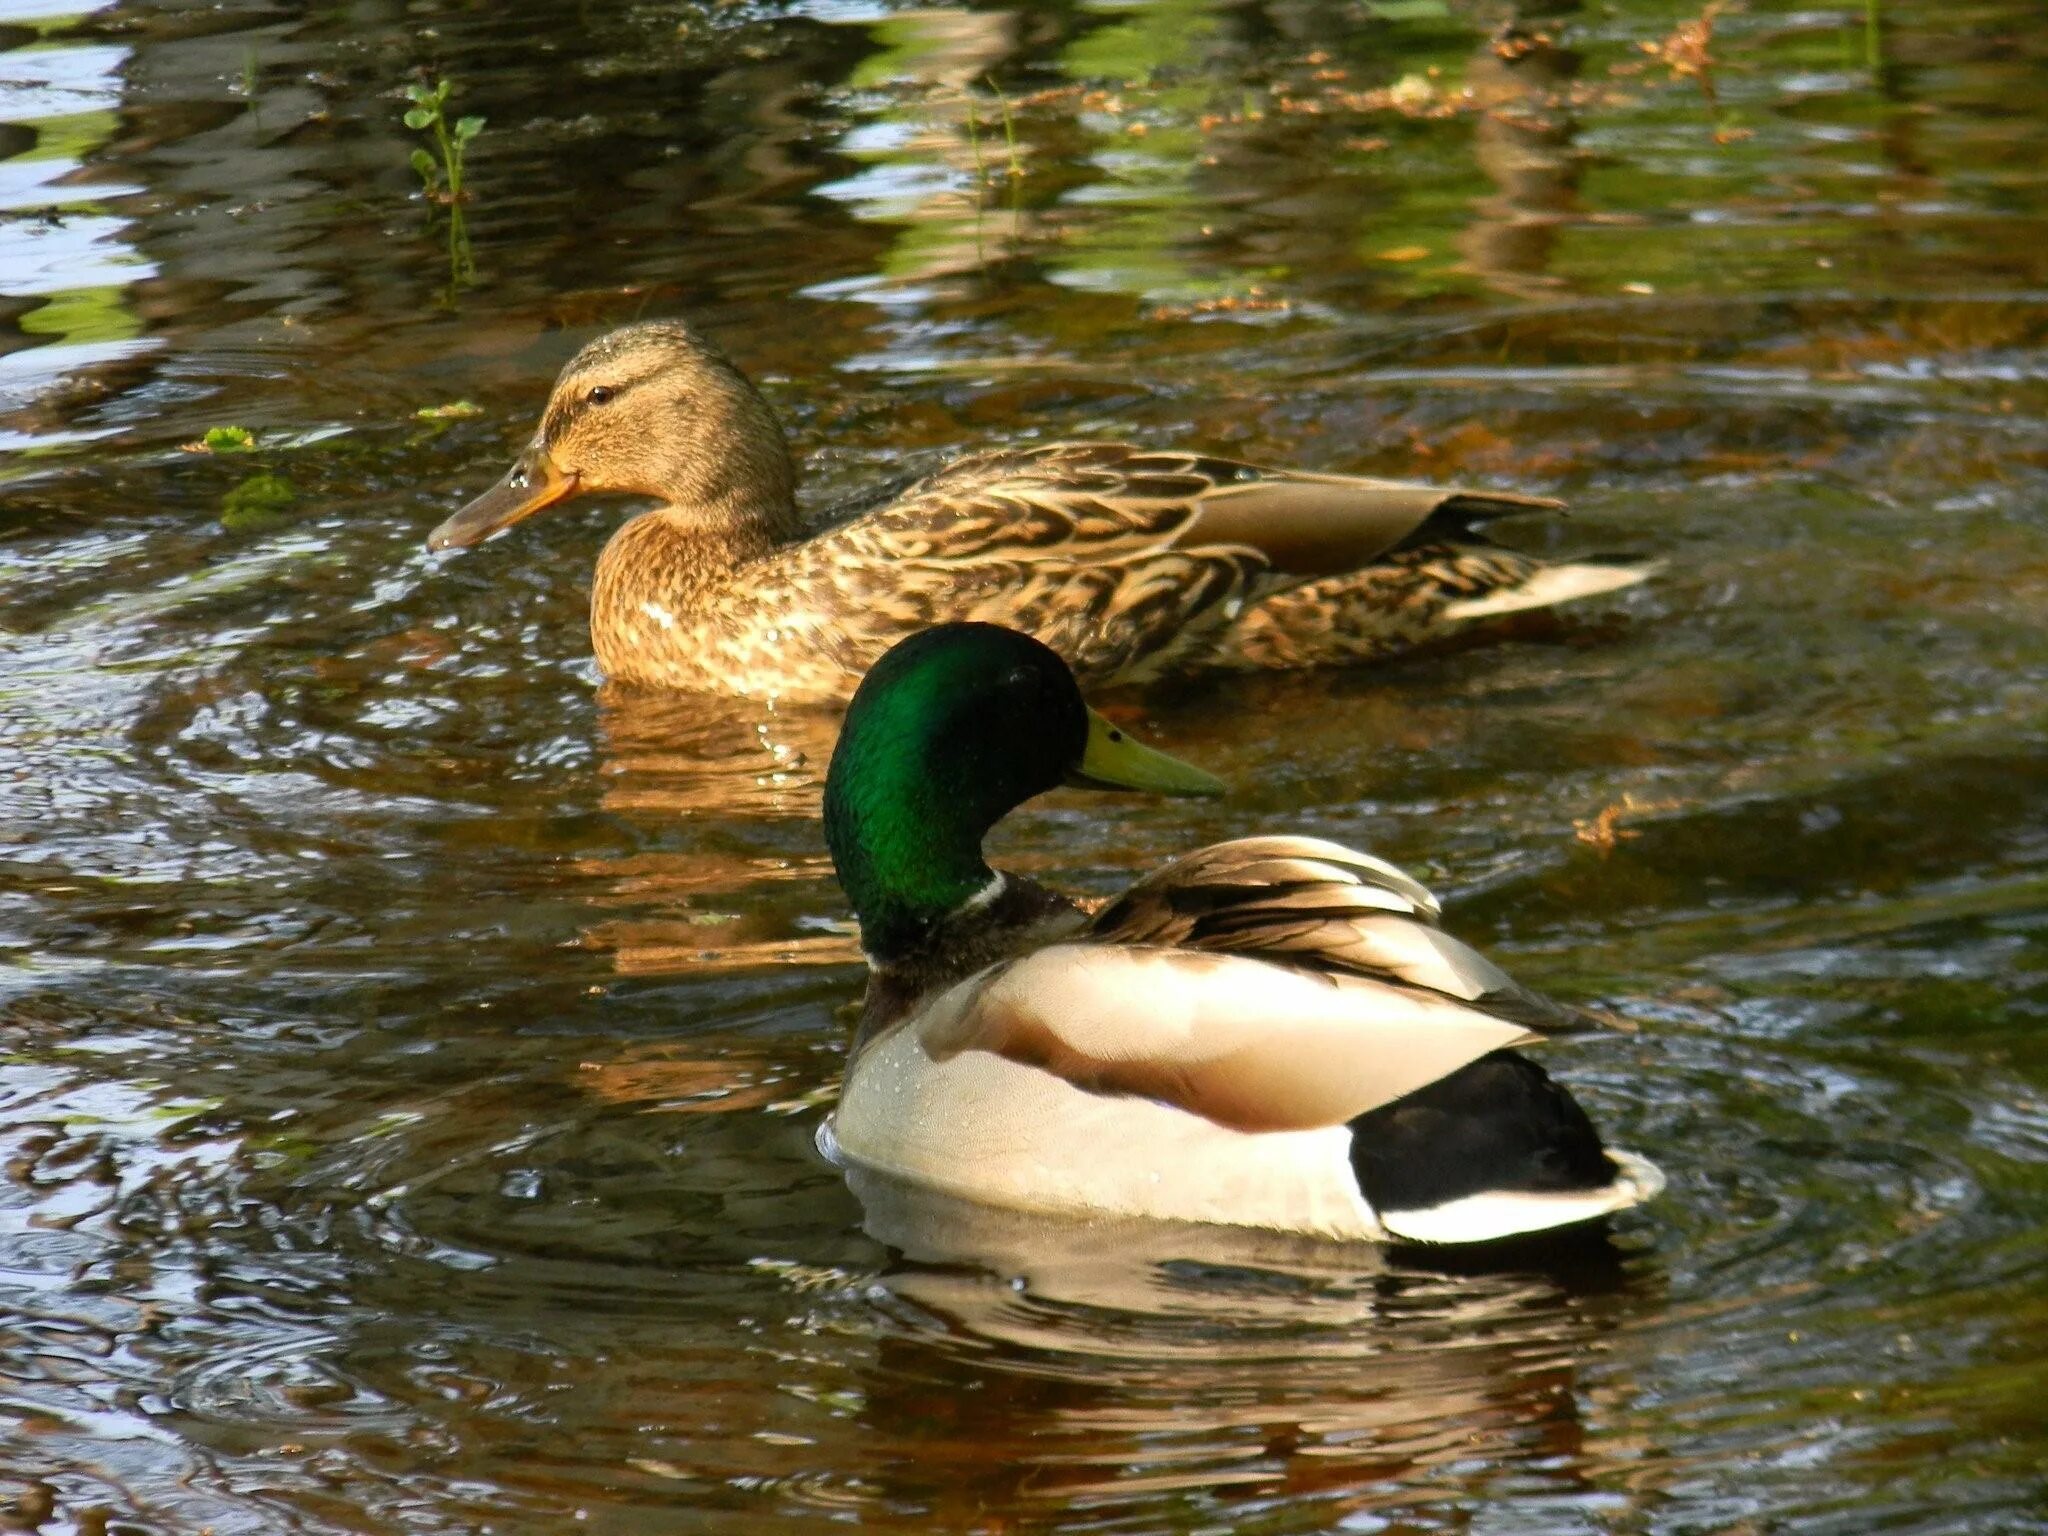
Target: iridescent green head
949,732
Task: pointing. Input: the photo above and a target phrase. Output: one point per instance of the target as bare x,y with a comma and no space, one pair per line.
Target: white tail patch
1516,1213
1550,585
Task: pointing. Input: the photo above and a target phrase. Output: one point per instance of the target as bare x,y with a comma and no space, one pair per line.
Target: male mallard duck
1130,564
1271,1032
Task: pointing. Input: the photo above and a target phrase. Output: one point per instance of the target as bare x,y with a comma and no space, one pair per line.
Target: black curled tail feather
1460,518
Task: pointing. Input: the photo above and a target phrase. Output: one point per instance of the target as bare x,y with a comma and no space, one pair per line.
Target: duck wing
1308,902
1269,984
1086,501
1126,562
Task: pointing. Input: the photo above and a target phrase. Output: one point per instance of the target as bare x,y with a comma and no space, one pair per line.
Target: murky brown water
412,1051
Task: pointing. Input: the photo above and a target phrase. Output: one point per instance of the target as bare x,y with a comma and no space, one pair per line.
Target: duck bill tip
531,484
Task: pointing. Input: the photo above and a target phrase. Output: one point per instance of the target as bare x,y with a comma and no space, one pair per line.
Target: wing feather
1083,501
1300,873
1127,562
1307,902
1271,983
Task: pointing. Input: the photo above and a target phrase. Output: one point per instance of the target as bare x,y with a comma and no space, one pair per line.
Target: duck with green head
1131,563
1270,1032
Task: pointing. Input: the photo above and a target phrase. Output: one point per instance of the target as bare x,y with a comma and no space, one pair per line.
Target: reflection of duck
1128,563
670,756
722,867
1119,1361
1270,1032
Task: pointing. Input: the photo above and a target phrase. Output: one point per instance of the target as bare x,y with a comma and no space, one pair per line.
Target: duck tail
1464,515
1546,586
1494,1150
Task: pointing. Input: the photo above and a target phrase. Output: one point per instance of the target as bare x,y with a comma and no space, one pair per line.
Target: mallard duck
1271,1032
1131,564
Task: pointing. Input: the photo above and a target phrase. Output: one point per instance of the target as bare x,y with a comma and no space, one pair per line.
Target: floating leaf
228,440
1405,253
454,410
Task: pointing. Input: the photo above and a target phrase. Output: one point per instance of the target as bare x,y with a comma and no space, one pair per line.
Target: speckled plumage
1132,564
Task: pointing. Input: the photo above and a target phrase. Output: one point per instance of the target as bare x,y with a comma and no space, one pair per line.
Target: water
413,1049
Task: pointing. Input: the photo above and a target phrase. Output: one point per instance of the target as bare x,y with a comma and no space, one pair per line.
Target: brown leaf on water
1252,302
1605,830
1512,43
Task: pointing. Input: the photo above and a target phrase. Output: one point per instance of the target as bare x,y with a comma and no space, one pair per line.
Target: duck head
950,731
653,410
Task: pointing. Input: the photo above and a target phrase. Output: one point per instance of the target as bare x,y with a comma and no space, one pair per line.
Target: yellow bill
1113,760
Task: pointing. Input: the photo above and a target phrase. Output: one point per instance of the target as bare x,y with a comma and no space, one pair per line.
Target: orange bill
531,483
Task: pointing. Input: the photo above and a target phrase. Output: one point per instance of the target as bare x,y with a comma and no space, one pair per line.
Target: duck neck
907,874
1014,917
663,571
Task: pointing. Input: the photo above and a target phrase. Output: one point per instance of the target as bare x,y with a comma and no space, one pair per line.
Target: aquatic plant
258,504
225,439
442,178
454,410
984,177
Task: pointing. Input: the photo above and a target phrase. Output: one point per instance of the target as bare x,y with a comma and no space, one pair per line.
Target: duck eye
600,393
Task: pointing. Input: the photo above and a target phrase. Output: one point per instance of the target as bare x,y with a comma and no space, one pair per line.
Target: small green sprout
441,179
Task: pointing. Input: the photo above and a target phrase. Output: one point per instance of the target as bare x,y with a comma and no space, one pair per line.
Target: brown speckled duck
1131,564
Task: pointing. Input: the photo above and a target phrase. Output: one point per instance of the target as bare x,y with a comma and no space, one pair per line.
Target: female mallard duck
1130,564
1271,1032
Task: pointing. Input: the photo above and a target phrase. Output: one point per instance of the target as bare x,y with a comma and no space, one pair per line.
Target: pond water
412,1048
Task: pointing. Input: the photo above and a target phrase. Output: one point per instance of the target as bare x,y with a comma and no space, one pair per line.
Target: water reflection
940,157
413,1050
1144,1361
735,899
66,267
1523,141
